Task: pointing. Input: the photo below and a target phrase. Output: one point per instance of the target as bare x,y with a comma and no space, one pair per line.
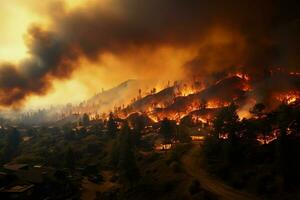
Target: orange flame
289,97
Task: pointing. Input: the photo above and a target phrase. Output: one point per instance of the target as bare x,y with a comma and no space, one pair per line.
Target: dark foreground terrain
137,158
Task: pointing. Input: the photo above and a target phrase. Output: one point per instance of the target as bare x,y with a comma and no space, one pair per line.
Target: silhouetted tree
13,140
153,91
284,118
248,129
166,129
203,104
85,119
112,125
127,164
183,134
187,121
139,123
140,94
227,121
258,110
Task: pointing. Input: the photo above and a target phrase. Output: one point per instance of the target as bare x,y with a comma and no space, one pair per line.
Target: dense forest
130,159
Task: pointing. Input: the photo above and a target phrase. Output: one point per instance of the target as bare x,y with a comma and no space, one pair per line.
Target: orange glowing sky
17,15
15,18
79,47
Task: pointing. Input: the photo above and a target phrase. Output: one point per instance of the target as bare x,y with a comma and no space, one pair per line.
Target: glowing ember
223,136
242,76
197,138
266,140
153,118
162,147
295,73
197,119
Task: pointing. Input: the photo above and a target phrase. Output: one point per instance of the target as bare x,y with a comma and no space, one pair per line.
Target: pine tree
13,140
85,120
166,130
112,125
129,172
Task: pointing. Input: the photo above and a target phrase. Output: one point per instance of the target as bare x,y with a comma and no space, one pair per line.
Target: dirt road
217,187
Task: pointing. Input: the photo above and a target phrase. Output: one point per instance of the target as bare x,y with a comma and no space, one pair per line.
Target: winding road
217,187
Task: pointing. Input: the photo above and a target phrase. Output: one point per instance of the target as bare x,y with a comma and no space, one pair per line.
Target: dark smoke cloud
51,58
268,31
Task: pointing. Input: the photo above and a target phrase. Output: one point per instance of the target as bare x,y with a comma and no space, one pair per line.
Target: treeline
267,166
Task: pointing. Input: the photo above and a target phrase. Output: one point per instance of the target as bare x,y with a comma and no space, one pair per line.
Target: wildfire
295,73
153,118
192,98
187,91
186,88
289,97
197,119
216,104
242,76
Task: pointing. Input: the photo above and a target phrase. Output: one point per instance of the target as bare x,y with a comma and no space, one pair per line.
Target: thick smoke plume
249,34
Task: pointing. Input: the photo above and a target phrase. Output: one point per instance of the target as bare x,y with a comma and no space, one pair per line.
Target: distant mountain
116,96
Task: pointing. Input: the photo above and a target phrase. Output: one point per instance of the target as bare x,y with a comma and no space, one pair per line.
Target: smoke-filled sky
62,51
